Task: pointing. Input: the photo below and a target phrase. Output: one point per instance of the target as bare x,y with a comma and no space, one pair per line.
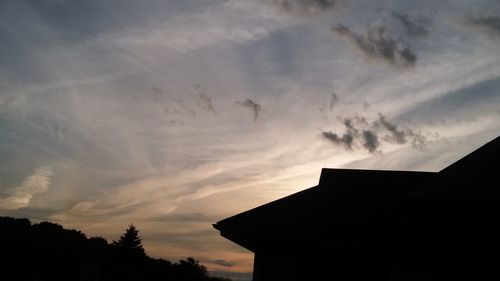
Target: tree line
48,252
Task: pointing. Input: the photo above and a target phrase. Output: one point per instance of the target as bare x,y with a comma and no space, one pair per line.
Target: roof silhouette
451,214
342,194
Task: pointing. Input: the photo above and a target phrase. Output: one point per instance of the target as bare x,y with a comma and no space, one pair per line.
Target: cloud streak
377,44
111,103
304,7
222,262
21,195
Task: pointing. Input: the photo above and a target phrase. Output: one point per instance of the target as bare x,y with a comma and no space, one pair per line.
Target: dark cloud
360,133
303,7
348,123
370,141
222,262
490,24
377,44
414,25
250,104
396,135
401,136
202,98
345,140
349,137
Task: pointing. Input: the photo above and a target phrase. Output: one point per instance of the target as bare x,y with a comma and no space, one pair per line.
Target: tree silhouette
48,252
130,243
191,270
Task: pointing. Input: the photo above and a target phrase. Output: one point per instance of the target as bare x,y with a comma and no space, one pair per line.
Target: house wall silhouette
390,225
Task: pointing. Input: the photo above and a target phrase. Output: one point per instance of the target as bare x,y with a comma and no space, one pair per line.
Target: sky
174,114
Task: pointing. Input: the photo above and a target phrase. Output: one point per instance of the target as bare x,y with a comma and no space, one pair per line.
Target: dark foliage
47,251
128,249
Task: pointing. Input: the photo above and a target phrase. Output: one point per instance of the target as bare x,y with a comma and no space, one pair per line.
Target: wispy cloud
222,262
35,184
79,94
488,24
253,106
202,98
414,25
304,7
187,33
377,44
334,99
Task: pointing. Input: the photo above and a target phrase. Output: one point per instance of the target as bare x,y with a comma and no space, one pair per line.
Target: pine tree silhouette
130,243
47,251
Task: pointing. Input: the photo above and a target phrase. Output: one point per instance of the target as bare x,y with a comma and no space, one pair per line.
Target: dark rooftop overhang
343,196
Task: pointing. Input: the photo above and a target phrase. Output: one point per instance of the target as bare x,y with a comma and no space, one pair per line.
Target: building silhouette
388,225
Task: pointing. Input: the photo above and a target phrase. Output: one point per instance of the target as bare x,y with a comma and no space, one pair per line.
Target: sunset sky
174,114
